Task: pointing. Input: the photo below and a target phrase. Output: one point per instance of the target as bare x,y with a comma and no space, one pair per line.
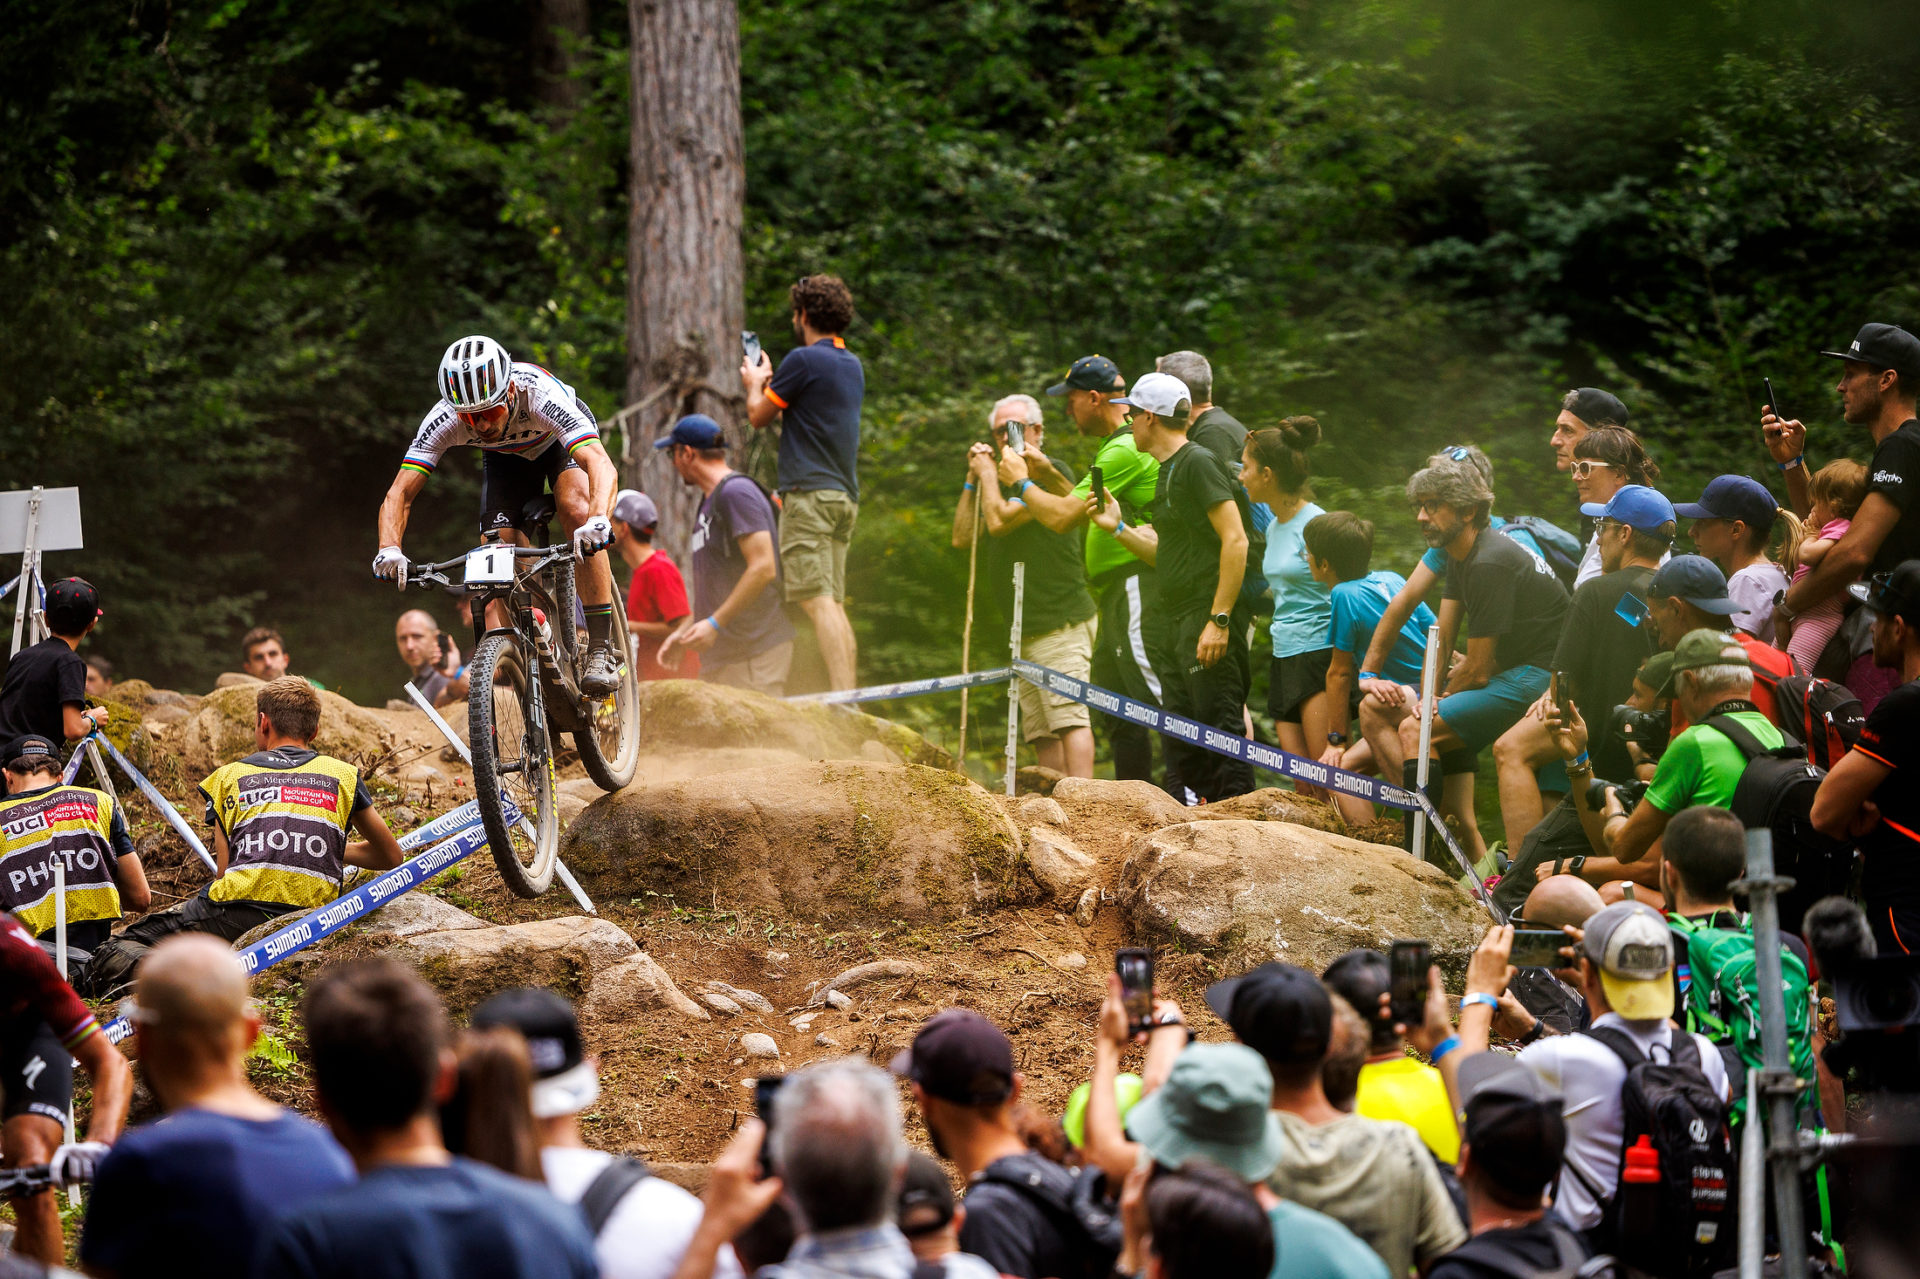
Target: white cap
631,506
1160,394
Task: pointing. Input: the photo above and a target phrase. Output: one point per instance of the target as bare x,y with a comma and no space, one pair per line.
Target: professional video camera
1646,731
1630,793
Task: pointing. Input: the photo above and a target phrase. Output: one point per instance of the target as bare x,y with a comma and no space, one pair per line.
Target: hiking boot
602,675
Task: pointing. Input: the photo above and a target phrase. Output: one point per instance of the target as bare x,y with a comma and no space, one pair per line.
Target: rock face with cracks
221,729
690,714
834,842
1244,892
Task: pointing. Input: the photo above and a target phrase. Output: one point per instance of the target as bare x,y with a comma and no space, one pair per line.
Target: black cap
72,602
32,746
1598,408
1895,592
1884,346
1280,1011
926,1196
1513,1123
959,1056
564,1082
1090,373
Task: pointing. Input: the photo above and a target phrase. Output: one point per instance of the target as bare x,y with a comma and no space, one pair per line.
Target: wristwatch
1336,739
1223,620
1576,864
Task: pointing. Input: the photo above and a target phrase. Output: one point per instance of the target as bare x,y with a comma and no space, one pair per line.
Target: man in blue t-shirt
209,1178
1339,550
737,624
817,393
380,1045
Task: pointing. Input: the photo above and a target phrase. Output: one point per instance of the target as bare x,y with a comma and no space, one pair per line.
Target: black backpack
1776,793
1692,1229
1489,1252
608,1187
1560,549
1823,714
1074,1199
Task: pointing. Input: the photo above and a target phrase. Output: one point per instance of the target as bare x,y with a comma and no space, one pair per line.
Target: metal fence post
1778,1084
1429,681
1013,685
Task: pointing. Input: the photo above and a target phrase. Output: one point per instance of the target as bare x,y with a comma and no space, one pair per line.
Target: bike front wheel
512,766
609,745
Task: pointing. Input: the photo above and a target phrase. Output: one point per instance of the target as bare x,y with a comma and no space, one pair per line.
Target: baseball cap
1732,497
925,1203
72,602
631,506
1896,591
1513,1122
1883,346
34,747
695,430
1089,373
1215,1105
1695,579
1598,408
1126,1095
1657,673
1633,948
1160,394
1707,648
959,1056
1280,1011
564,1081
1635,505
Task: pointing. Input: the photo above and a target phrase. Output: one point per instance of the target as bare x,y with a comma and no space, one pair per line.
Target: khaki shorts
815,527
1069,650
764,672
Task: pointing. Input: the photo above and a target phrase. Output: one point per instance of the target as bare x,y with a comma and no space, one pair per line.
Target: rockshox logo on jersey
286,830
70,824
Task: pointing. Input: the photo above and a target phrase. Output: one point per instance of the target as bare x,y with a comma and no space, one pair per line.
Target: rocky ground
785,882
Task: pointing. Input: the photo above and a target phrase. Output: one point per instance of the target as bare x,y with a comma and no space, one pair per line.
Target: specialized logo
32,1071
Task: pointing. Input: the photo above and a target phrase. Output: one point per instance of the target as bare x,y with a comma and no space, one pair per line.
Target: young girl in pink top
1837,490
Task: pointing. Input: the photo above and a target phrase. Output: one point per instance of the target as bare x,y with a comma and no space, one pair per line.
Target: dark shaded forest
235,237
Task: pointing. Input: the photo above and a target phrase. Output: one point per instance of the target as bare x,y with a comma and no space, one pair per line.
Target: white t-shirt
1589,1077
649,1230
1753,589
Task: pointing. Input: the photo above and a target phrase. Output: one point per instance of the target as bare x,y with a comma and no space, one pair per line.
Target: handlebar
28,1179
435,574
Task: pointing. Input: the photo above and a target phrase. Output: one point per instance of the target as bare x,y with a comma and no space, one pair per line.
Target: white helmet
473,374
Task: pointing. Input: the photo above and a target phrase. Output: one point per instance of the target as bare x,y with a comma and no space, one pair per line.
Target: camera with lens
1630,794
1647,730
1878,994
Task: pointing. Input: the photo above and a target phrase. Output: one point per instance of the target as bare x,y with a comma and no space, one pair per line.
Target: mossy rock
221,730
690,713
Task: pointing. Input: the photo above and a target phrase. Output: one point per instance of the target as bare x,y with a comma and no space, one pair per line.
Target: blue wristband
1442,1048
1368,675
1025,485
715,624
1119,527
1479,997
967,487
1798,461
1578,761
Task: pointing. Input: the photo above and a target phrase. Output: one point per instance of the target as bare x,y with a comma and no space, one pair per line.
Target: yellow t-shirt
1413,1093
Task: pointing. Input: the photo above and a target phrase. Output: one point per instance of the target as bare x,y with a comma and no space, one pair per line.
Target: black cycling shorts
36,1074
511,486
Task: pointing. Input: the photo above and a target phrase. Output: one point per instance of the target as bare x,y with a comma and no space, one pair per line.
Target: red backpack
1823,714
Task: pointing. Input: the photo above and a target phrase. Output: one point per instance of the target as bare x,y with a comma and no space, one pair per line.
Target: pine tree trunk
684,276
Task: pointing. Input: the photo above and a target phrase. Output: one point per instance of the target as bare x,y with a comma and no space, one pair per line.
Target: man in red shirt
657,595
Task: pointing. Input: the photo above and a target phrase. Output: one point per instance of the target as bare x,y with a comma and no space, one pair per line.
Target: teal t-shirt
1358,606
1302,607
1702,765
1312,1245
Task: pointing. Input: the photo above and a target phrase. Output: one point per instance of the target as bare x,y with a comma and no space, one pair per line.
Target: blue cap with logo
1640,508
695,430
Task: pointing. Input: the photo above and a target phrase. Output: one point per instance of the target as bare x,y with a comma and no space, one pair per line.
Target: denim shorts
1480,715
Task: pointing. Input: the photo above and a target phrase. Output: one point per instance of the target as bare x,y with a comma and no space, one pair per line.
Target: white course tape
910,688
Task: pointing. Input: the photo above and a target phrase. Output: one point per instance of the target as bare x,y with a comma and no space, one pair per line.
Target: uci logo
1698,1131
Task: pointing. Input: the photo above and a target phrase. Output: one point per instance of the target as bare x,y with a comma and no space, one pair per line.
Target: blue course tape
376,892
158,800
1232,745
911,688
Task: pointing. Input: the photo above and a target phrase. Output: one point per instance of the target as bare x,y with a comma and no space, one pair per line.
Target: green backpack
1723,1003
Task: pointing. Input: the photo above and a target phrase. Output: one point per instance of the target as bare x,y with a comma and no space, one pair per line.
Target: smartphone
1562,690
764,1089
1538,948
750,343
1135,969
446,645
1407,964
1017,436
1099,487
1771,402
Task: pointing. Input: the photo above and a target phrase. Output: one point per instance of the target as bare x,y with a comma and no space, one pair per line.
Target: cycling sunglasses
484,417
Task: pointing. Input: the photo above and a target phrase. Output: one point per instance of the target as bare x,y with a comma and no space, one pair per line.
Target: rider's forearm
112,1081
393,517
603,479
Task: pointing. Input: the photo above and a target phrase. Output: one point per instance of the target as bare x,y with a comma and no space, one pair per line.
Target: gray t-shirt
735,509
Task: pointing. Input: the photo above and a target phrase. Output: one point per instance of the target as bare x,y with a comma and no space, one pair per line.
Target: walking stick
966,636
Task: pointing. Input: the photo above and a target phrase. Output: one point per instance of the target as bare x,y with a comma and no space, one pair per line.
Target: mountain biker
533,433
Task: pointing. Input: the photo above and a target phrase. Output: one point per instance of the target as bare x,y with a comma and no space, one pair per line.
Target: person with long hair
1606,460
1275,472
490,1115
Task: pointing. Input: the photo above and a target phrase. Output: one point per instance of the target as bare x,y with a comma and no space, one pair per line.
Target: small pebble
1073,960
1089,902
838,1000
824,1040
804,1021
720,1004
778,957
404,816
759,1045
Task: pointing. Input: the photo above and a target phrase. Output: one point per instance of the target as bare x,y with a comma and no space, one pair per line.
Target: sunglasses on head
1456,452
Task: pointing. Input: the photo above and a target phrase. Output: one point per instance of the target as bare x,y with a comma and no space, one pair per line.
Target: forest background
237,235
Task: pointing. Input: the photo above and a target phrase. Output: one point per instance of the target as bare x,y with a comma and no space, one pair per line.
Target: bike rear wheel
610,745
512,765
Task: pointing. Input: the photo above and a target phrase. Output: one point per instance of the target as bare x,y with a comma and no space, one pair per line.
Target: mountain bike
513,720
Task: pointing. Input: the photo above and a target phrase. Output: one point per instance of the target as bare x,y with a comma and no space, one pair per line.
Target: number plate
489,566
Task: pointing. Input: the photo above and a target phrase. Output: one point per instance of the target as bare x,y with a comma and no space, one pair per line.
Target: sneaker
602,675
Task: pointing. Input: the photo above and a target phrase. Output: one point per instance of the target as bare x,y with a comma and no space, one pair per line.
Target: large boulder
1244,892
679,713
833,842
565,955
221,730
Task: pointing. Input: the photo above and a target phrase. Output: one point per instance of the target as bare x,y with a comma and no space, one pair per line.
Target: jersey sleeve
27,968
1896,471
362,797
564,412
1882,737
1677,779
439,431
791,379
1436,561
1343,631
117,836
1209,482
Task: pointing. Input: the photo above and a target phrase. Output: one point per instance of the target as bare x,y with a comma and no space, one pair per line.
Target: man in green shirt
1125,586
1712,675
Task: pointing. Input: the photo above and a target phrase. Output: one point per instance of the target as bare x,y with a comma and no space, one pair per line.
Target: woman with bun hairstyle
1274,470
1606,460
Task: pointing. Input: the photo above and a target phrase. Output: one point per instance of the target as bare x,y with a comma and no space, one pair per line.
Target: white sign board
59,521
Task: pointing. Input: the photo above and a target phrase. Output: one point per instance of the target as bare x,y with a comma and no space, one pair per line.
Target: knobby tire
512,757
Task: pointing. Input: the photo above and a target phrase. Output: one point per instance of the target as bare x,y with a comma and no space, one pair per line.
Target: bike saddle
538,512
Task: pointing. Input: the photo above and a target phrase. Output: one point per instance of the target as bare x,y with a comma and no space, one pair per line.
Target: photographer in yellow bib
43,821
280,819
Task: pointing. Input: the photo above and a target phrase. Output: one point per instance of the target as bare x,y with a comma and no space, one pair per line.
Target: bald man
1560,900
225,1161
438,672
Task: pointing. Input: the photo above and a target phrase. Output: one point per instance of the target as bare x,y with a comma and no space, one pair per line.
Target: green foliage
237,234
